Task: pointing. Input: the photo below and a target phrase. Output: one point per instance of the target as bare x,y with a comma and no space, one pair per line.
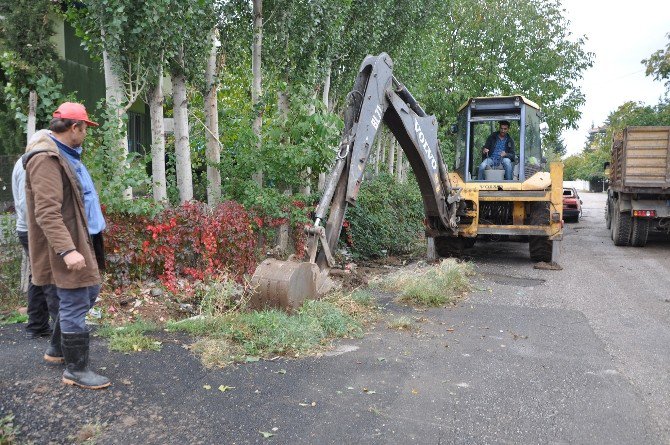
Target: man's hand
503,154
74,260
485,151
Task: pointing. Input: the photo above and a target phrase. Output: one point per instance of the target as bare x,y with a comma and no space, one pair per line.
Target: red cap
74,111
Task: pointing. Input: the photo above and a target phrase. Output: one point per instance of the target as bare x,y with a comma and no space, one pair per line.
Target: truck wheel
447,246
608,214
540,247
621,228
640,232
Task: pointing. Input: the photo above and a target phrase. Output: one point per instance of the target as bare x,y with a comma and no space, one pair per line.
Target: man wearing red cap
64,235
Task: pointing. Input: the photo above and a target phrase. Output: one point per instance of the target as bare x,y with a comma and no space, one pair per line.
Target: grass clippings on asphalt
130,338
247,336
431,285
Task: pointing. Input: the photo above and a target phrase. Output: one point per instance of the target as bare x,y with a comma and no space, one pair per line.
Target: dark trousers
42,300
74,304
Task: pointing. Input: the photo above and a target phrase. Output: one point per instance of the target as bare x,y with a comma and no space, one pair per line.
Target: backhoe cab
457,207
527,207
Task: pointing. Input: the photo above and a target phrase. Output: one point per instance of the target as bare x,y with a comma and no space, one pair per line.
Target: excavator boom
377,97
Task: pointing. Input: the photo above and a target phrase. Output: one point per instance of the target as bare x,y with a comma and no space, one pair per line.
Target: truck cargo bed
640,160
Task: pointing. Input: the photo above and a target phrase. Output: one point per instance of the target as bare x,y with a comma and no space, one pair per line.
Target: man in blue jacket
498,150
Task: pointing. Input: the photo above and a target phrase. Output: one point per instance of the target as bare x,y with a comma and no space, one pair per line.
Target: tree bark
284,108
324,98
326,90
378,153
398,164
115,97
181,136
158,141
256,86
391,154
213,151
32,114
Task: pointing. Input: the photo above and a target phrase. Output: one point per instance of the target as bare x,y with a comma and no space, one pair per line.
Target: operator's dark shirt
492,143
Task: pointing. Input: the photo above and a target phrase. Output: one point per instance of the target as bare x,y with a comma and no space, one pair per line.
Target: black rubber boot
75,350
54,353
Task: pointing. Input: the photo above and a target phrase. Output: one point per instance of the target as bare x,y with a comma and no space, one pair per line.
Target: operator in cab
498,150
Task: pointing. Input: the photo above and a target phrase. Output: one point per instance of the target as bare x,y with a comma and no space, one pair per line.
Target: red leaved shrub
190,241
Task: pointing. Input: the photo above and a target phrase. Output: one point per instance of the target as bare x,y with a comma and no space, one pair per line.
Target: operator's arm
488,146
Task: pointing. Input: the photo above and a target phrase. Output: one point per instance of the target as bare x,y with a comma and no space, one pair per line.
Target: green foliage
495,48
303,139
240,336
658,64
431,286
589,164
27,62
387,217
8,430
130,338
13,317
112,172
11,253
16,92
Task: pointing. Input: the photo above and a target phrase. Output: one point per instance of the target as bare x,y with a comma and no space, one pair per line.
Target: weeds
8,430
401,323
235,336
88,434
130,338
430,286
13,317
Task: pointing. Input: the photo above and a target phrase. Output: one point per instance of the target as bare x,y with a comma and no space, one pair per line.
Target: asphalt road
532,356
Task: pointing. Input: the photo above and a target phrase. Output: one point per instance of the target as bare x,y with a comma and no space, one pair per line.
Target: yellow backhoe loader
458,206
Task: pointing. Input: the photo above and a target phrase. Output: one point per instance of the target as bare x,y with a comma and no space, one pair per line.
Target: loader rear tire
540,247
640,232
449,246
621,227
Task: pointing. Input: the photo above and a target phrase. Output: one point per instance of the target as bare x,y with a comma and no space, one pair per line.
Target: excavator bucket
283,284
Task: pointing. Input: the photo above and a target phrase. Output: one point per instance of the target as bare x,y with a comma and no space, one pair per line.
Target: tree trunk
398,164
326,90
284,108
256,86
391,154
115,97
324,97
378,153
306,189
213,152
181,137
32,114
158,141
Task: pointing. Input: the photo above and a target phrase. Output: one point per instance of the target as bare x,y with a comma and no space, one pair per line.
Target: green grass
401,323
238,336
130,338
430,286
13,317
8,430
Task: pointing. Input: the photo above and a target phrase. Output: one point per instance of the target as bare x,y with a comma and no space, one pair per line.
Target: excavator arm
377,97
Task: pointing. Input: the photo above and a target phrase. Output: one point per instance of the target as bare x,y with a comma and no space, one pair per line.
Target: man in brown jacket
64,221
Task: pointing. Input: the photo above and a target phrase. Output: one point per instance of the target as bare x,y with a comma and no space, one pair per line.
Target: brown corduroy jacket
56,218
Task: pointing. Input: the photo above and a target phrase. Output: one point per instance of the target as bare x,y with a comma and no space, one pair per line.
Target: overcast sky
621,34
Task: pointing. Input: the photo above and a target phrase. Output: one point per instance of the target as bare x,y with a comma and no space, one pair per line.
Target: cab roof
493,100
